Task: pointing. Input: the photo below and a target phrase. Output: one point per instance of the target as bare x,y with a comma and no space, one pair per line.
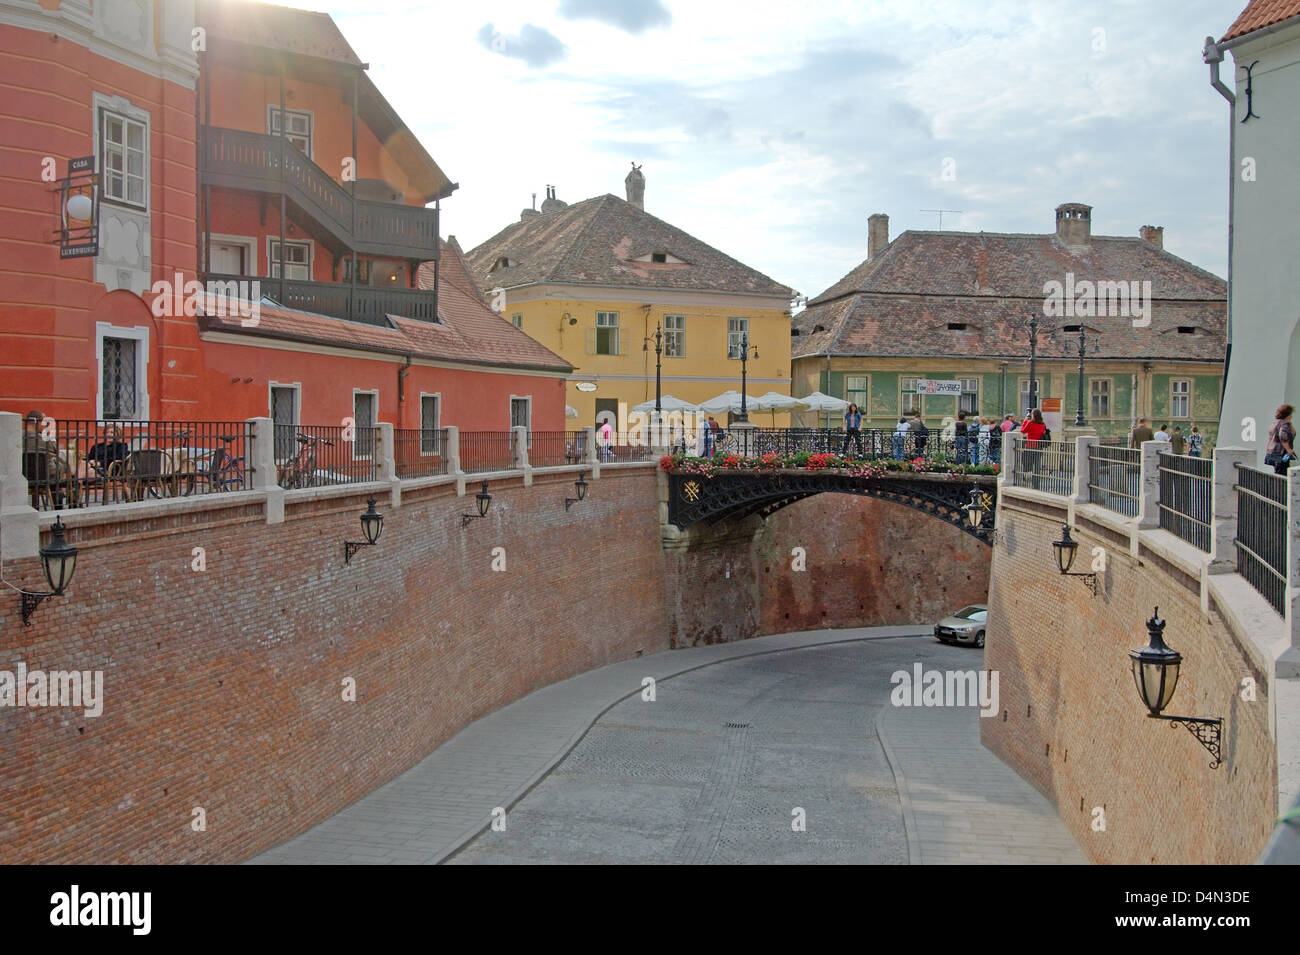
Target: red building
243,154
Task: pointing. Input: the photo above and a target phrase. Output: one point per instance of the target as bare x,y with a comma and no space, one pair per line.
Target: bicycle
300,472
217,467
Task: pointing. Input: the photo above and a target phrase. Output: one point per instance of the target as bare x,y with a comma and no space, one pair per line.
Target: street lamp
372,525
743,417
581,485
659,352
484,500
1155,672
1033,361
1083,345
59,563
1066,549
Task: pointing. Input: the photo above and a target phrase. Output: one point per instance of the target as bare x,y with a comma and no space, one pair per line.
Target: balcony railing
236,159
364,303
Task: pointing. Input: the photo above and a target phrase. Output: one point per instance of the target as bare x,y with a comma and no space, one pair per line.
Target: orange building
268,232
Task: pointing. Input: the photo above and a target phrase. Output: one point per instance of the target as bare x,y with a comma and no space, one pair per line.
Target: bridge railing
869,444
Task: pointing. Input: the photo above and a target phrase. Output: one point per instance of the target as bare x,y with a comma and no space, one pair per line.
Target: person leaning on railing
1280,453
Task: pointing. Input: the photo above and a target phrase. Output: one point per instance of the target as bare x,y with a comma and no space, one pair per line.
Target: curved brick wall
223,688
1072,723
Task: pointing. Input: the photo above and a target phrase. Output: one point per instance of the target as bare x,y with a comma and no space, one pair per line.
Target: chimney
635,185
1155,234
877,234
1074,224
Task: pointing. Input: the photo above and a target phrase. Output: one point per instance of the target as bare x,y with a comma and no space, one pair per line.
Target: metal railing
1262,532
325,455
1186,497
239,159
419,452
486,451
1115,478
1046,466
549,449
87,463
870,444
370,305
623,447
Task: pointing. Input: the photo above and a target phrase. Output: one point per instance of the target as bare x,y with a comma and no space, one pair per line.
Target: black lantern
59,563
1066,549
484,500
372,524
975,508
1155,672
581,485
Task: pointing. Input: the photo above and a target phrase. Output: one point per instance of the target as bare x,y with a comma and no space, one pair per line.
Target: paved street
712,770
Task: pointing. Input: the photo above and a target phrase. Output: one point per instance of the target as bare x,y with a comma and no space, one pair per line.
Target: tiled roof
303,32
1262,13
901,302
990,263
469,332
596,242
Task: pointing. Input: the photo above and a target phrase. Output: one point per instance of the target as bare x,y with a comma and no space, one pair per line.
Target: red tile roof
902,302
1262,13
469,331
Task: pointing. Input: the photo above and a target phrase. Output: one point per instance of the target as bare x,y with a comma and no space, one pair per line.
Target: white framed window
285,405
123,355
365,416
908,400
298,130
737,332
430,424
674,336
1099,398
124,157
856,390
363,270
969,401
1180,398
1025,394
298,266
517,320
603,338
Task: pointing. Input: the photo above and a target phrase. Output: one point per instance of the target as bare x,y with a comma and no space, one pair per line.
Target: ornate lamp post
372,524
1033,360
659,353
1083,347
59,562
743,417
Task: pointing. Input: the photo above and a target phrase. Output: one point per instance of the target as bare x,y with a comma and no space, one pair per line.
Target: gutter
1253,35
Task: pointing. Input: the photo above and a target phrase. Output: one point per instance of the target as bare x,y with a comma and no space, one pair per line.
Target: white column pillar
20,535
1083,446
387,452
1149,485
261,455
1223,508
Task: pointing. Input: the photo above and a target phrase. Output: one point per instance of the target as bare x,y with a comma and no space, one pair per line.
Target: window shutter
591,341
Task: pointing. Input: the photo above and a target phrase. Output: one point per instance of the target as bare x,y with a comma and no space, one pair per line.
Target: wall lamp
1155,671
1066,549
581,485
372,525
975,511
484,500
59,561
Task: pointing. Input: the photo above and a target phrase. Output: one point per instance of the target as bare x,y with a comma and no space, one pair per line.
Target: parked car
967,625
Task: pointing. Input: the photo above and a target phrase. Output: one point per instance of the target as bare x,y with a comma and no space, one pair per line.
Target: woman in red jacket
1033,428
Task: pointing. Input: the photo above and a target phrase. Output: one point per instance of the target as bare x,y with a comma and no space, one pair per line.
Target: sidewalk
443,802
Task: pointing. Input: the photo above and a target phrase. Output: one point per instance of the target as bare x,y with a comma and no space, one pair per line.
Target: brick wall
224,687
869,563
1071,720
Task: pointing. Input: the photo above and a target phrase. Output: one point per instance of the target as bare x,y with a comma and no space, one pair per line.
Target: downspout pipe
402,372
1213,55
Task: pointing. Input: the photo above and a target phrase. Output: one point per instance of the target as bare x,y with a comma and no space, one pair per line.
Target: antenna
534,202
941,212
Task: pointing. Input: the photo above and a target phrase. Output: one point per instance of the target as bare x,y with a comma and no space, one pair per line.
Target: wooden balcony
235,159
367,304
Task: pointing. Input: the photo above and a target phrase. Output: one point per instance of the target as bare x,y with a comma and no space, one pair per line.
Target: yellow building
594,281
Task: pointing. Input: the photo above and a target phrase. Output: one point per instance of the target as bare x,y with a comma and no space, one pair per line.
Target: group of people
1191,444
977,440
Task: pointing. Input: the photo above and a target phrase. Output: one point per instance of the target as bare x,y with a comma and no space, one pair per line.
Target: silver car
967,625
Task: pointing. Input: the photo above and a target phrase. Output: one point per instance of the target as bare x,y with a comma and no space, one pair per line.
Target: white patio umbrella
819,402
772,402
728,401
667,403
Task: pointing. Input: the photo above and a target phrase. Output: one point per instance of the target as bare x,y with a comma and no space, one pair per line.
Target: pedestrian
920,434
606,441
985,450
1195,441
1033,429
1177,441
1278,452
900,437
961,435
1140,433
1009,423
1162,434
852,429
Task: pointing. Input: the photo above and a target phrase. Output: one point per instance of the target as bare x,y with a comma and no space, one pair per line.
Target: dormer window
1070,328
658,256
1186,330
956,326
502,263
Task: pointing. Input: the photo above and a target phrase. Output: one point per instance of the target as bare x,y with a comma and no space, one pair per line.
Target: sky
772,129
